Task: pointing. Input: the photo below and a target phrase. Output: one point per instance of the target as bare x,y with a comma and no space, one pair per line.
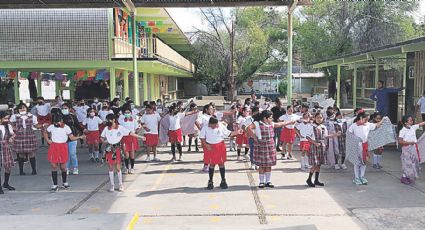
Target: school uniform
113,137
81,112
130,143
410,157
264,149
317,154
362,131
43,113
6,161
58,149
175,131
25,143
215,138
306,130
241,139
151,121
102,115
288,133
93,135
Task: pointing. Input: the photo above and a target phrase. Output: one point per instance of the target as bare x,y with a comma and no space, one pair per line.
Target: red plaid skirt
305,146
151,139
130,143
93,137
317,155
217,154
25,142
175,135
7,158
265,153
117,159
44,119
241,139
287,135
58,153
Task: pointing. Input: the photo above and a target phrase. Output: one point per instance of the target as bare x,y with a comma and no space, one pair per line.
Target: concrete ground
169,195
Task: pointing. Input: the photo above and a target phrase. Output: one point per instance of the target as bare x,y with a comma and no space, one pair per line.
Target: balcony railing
163,51
124,49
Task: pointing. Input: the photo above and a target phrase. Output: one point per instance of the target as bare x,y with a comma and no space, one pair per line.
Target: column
136,98
152,76
58,88
355,87
145,86
39,91
16,88
376,76
126,84
338,86
112,84
289,75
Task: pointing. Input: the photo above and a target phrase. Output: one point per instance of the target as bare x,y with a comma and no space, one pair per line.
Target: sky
189,18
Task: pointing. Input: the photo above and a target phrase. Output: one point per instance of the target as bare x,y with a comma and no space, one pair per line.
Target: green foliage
283,88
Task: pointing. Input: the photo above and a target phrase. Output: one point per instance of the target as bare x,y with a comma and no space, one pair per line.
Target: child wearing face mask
71,120
130,143
287,135
6,159
92,124
96,105
58,150
42,111
340,126
304,129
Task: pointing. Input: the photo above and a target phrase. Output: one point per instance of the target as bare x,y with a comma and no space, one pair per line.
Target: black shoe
188,150
269,185
1,191
9,187
261,185
65,186
223,184
197,149
319,183
34,173
22,174
278,149
210,185
310,184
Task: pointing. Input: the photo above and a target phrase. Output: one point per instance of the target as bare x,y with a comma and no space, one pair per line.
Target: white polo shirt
287,117
131,124
92,123
362,131
241,121
214,136
151,122
59,134
421,103
306,130
43,110
409,135
104,113
114,136
175,121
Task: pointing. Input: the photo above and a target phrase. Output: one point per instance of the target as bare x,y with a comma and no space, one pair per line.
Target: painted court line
133,222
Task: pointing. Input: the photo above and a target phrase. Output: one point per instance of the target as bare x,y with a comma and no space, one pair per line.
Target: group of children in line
260,129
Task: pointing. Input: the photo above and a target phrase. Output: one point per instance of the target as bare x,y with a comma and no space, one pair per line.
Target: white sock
91,155
306,161
302,162
111,177
362,170
97,154
231,144
119,177
375,159
357,171
268,176
261,178
379,159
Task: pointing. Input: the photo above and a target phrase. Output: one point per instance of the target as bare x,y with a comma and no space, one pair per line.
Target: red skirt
44,119
287,135
130,143
117,159
93,137
151,139
364,151
175,135
305,146
58,153
241,139
217,154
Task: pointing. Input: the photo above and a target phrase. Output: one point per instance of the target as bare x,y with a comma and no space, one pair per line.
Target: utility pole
232,77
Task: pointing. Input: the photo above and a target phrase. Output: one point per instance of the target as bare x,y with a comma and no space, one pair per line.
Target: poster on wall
121,24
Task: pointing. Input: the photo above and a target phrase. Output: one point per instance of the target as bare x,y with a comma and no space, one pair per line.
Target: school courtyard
166,195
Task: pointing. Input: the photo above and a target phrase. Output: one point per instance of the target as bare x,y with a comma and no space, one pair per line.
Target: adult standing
277,111
381,96
420,106
71,120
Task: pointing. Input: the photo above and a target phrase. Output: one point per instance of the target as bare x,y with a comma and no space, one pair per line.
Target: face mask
127,115
96,101
23,112
92,114
65,111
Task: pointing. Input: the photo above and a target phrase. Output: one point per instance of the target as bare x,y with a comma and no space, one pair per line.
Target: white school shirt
287,117
131,124
362,131
151,122
409,135
241,121
114,136
59,134
175,121
325,132
81,112
248,121
24,117
92,123
104,113
421,103
3,130
257,129
43,110
306,130
204,120
214,136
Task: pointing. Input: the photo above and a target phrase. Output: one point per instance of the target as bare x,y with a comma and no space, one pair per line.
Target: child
193,107
304,130
288,132
91,124
130,142
112,136
43,113
410,154
212,138
241,139
340,126
72,122
6,138
251,139
150,122
361,128
81,113
58,149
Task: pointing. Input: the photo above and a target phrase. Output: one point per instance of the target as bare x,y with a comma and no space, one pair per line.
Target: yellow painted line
211,196
214,206
215,219
159,179
133,221
275,218
147,220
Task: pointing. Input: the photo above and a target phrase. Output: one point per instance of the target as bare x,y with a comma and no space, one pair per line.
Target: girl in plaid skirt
25,143
6,161
262,130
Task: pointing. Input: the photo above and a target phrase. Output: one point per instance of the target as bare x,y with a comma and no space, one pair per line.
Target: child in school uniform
377,153
287,135
212,138
242,139
304,130
341,126
150,122
92,124
42,110
58,149
129,142
410,157
6,161
112,136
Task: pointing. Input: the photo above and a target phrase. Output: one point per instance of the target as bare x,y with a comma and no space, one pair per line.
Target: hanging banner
25,74
34,75
91,73
59,76
13,74
2,73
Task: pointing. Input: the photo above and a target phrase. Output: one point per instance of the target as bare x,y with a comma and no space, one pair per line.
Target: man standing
381,96
420,106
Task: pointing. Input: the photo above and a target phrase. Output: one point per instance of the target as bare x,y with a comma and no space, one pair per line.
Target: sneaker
129,171
405,180
343,166
156,159
289,157
205,168
54,188
8,187
111,189
67,171
121,188
282,157
308,166
269,185
180,158
337,167
210,185
65,186
173,159
364,181
261,185
75,171
148,158
357,181
375,166
223,184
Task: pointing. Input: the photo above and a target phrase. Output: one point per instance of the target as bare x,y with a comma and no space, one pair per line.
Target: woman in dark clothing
71,120
277,111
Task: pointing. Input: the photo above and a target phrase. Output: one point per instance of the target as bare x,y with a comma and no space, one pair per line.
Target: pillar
126,84
289,75
376,76
16,88
136,98
58,88
152,76
355,87
145,86
39,91
112,84
338,86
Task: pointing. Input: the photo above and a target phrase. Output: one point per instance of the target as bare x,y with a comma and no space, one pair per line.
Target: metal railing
165,52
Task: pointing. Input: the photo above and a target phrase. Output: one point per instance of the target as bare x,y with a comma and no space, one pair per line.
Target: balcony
124,49
163,52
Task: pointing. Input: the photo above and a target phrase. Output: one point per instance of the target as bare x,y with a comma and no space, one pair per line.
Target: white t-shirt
204,120
241,121
114,136
306,130
287,117
131,125
151,122
104,113
214,136
59,135
421,103
362,131
24,117
92,123
3,131
257,130
175,121
43,110
81,112
409,135
248,121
